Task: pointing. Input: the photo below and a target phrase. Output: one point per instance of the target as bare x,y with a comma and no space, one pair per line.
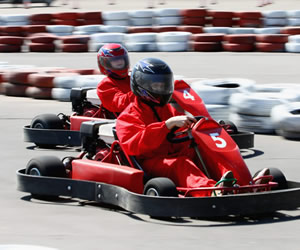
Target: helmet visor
161,84
116,62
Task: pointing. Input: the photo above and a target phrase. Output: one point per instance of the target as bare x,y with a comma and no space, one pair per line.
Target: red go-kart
104,173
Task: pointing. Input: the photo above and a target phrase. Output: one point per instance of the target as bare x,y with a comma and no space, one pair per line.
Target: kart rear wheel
46,121
50,166
160,186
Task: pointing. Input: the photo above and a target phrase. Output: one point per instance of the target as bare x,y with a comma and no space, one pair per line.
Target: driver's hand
181,121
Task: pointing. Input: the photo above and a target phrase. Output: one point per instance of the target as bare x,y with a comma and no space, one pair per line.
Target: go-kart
50,130
104,173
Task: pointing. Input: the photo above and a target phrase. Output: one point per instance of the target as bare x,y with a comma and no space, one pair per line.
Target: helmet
113,60
151,81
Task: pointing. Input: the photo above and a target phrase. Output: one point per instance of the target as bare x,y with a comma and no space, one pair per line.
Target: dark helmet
113,60
152,81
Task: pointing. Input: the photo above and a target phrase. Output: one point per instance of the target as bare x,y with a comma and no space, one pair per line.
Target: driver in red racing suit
114,90
143,126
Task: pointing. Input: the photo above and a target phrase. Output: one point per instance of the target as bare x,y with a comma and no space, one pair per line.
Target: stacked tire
42,42
141,42
239,43
98,40
271,43
165,17
74,43
293,44
90,18
41,19
66,18
220,18
193,17
249,19
60,30
120,18
293,18
141,17
276,18
173,41
206,42
11,43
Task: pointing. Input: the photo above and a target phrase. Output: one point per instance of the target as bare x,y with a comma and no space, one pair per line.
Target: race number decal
187,95
220,142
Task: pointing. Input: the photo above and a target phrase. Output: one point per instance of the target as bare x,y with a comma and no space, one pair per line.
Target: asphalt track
73,225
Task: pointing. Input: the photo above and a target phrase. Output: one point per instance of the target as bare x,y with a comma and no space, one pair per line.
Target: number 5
220,142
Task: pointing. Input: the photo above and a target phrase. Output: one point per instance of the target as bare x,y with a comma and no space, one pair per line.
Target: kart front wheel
160,186
46,121
50,166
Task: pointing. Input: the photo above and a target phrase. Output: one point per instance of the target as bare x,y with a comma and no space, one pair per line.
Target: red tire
50,22
38,93
90,21
220,14
208,37
270,47
43,38
206,46
74,48
20,76
70,22
240,38
290,30
44,80
41,17
11,40
238,47
140,29
164,28
248,15
12,29
90,15
11,89
193,13
66,15
255,23
272,38
35,29
200,21
192,29
75,39
10,48
82,71
41,47
222,22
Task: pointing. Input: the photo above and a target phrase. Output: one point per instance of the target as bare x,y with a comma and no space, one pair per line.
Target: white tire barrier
269,30
292,47
274,14
274,87
242,30
140,37
66,82
17,18
293,21
294,39
113,29
141,47
168,20
257,124
255,103
107,38
141,21
88,29
116,22
88,81
115,15
141,13
167,12
218,91
59,28
61,94
286,120
275,22
221,30
179,36
218,111
172,46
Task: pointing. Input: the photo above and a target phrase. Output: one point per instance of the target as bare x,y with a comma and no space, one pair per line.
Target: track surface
72,225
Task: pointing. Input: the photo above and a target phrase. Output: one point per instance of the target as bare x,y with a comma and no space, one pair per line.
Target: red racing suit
115,94
144,136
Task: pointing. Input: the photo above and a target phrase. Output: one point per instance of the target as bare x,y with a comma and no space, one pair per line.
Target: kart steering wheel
173,137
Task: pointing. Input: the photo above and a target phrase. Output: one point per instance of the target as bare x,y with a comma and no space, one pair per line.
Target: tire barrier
195,21
286,120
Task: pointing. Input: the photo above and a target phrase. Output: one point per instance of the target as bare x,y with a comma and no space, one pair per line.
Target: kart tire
50,166
160,186
194,29
46,121
278,177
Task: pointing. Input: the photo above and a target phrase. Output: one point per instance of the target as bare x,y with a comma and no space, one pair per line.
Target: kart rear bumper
240,204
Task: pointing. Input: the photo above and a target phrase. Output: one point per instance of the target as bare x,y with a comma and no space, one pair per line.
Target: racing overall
115,94
142,131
